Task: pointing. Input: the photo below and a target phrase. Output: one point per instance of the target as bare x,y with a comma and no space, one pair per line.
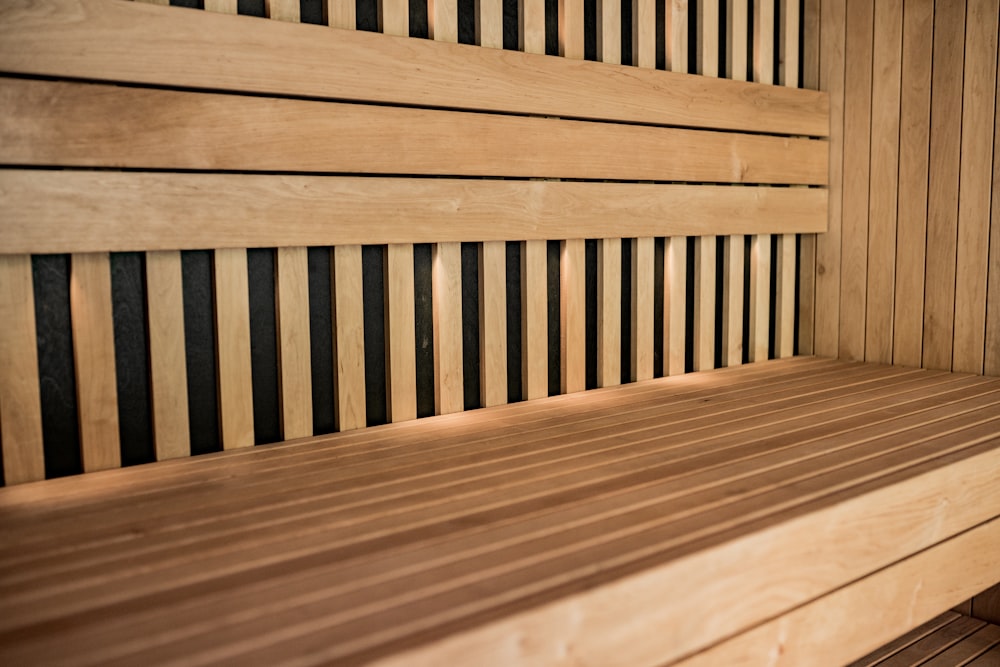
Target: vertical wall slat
400,339
573,316
571,29
737,23
294,355
609,308
643,258
914,139
489,23
20,397
807,242
992,358
531,25
94,358
704,262
674,304
282,10
221,6
349,337
232,324
343,13
784,332
394,17
676,35
644,33
534,319
609,31
448,388
760,265
707,22
167,367
976,181
493,323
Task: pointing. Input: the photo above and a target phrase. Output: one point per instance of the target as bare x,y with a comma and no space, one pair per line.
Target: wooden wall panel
992,361
294,356
348,337
232,326
492,323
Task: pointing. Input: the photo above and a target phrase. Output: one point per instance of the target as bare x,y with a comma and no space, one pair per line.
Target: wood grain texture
150,211
144,128
890,648
349,337
789,65
737,20
343,14
573,316
674,304
704,303
992,357
763,41
971,648
94,360
493,323
986,605
643,278
221,6
676,35
20,400
167,354
400,339
294,351
807,244
914,143
447,277
784,296
609,31
976,182
760,296
489,23
644,33
442,20
732,301
708,37
531,26
394,17
534,320
922,650
110,41
609,312
571,32
232,327
282,10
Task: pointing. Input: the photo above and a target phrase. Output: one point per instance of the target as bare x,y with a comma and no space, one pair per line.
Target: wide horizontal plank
50,123
44,211
133,42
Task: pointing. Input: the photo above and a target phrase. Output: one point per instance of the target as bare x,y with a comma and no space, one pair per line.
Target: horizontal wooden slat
49,123
119,41
81,211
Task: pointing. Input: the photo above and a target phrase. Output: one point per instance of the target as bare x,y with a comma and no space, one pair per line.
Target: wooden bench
797,510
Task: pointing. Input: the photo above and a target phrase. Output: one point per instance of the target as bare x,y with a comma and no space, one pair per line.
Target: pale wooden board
531,26
942,185
447,279
644,33
400,338
674,304
343,14
96,39
349,337
294,351
784,334
737,18
976,181
992,360
150,211
732,302
167,354
807,252
763,41
94,360
708,37
857,154
573,315
534,319
232,328
609,309
914,143
643,275
20,401
828,245
145,128
787,265
442,20
704,303
760,296
394,17
489,23
676,35
968,649
493,323
838,627
811,43
282,10
609,31
571,21
221,6
789,66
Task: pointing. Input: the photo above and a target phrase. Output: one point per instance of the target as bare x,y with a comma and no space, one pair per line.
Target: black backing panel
373,289
321,340
720,277
555,326
311,11
366,15
199,341
659,248
590,276
424,328
263,346
689,307
470,324
251,8
626,312
513,284
773,293
747,250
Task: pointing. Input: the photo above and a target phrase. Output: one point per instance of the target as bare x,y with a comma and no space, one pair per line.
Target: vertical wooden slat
348,337
884,170
531,25
609,308
167,366
760,265
979,97
493,323
221,6
282,10
674,304
942,185
232,324
737,21
489,23
442,19
708,37
447,277
992,358
609,31
394,17
704,262
833,26
914,139
20,401
534,320
94,358
294,355
784,333
343,14
807,242
571,29
857,132
573,316
400,337
676,35
643,258
644,33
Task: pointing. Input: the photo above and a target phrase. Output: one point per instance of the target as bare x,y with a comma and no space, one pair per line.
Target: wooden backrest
133,128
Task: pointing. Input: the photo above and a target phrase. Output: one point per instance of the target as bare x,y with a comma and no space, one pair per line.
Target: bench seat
711,518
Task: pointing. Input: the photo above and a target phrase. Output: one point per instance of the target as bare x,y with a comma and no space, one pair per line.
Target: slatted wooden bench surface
948,640
633,525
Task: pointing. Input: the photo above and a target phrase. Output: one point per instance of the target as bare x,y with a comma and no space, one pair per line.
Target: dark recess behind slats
321,339
199,340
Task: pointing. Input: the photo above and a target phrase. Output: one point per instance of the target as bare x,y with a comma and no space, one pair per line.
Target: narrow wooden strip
400,339
294,352
968,649
232,326
534,319
763,41
489,23
708,37
644,33
988,659
447,277
976,183
343,14
94,360
811,43
789,14
531,25
493,323
349,337
676,35
737,18
609,31
571,21
784,334
674,304
394,17
925,648
732,305
807,293
609,308
221,6
282,10
573,316
643,274
167,354
760,296
20,401
150,211
992,358
866,613
704,303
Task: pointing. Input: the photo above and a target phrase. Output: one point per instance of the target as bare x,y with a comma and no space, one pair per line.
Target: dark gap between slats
689,306
750,59
56,375
510,25
263,346
467,22
128,300
659,246
625,358
554,324
720,277
3,478
373,293
776,47
590,19
723,42
199,344
514,296
798,293
551,27
747,249
366,15
470,325
424,328
418,19
321,340
311,11
626,32
591,312
251,8
191,4
772,289
801,83
661,36
693,45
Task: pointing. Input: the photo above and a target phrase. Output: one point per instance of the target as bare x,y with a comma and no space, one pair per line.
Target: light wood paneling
167,354
704,303
447,277
282,10
807,242
674,304
294,352
20,402
489,23
531,26
609,31
708,37
221,6
442,20
493,323
94,360
609,312
571,22
676,35
232,327
349,337
732,302
737,20
760,296
573,316
643,274
400,338
343,14
644,33
534,320
784,297
394,17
